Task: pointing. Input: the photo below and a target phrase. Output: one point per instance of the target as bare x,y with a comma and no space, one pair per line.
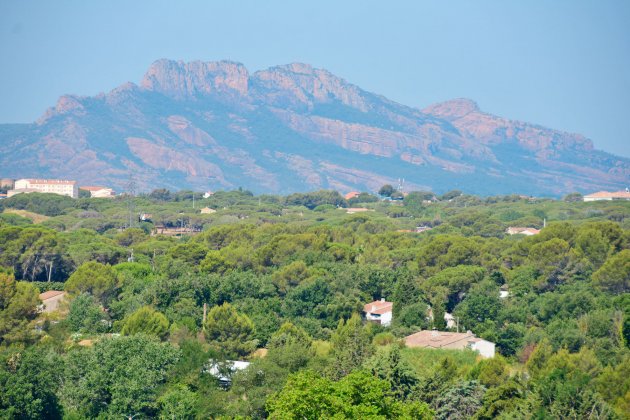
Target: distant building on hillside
224,371
352,210
208,194
451,340
6,183
420,229
608,196
52,186
207,210
351,194
522,231
145,217
51,300
379,311
98,192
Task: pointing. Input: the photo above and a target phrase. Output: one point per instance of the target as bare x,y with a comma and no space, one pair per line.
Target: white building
451,340
52,186
224,371
51,300
527,231
608,196
379,311
99,192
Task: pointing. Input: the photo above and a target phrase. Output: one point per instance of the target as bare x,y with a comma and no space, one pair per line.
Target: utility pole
131,191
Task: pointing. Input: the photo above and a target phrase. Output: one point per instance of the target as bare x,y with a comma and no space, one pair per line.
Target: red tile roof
608,194
50,294
351,194
378,307
438,339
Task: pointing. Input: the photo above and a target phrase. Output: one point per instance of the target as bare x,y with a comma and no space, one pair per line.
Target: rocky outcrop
294,127
182,80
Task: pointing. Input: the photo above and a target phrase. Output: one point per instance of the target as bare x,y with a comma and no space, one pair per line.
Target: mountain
213,125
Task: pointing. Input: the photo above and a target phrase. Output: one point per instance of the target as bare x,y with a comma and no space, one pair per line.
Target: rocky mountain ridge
210,125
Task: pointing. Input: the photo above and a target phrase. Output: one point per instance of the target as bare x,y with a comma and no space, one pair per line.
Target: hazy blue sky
563,64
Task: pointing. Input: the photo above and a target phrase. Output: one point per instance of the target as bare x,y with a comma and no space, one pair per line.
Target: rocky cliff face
294,127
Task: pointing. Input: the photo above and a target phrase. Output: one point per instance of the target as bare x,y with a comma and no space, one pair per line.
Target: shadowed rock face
294,127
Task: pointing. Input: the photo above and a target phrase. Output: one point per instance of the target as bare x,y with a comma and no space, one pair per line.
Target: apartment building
52,186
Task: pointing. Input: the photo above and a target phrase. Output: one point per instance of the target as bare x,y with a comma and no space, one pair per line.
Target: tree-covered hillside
163,289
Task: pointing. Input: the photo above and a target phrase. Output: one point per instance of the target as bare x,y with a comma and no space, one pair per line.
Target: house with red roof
379,311
51,300
608,196
451,340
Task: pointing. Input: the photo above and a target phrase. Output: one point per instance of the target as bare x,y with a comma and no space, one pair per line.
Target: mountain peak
298,68
452,109
302,85
183,80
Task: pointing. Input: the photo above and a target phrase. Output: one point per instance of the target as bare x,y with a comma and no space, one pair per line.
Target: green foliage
97,279
87,316
573,197
614,275
229,332
351,346
491,372
116,377
406,293
290,347
461,401
146,320
11,219
289,274
386,190
178,403
29,381
389,365
47,204
316,198
414,315
359,395
18,307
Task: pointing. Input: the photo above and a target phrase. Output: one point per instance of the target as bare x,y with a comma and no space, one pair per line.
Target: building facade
51,186
99,192
608,196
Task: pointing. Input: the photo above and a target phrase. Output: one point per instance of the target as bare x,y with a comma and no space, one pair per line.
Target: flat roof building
51,186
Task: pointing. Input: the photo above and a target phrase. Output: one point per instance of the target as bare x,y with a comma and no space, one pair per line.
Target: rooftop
50,294
48,181
93,188
378,307
608,194
438,339
512,230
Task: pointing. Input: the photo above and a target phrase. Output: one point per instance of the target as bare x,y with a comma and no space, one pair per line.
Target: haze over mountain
213,125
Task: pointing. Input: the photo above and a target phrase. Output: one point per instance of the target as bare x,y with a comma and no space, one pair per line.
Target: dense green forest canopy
153,301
